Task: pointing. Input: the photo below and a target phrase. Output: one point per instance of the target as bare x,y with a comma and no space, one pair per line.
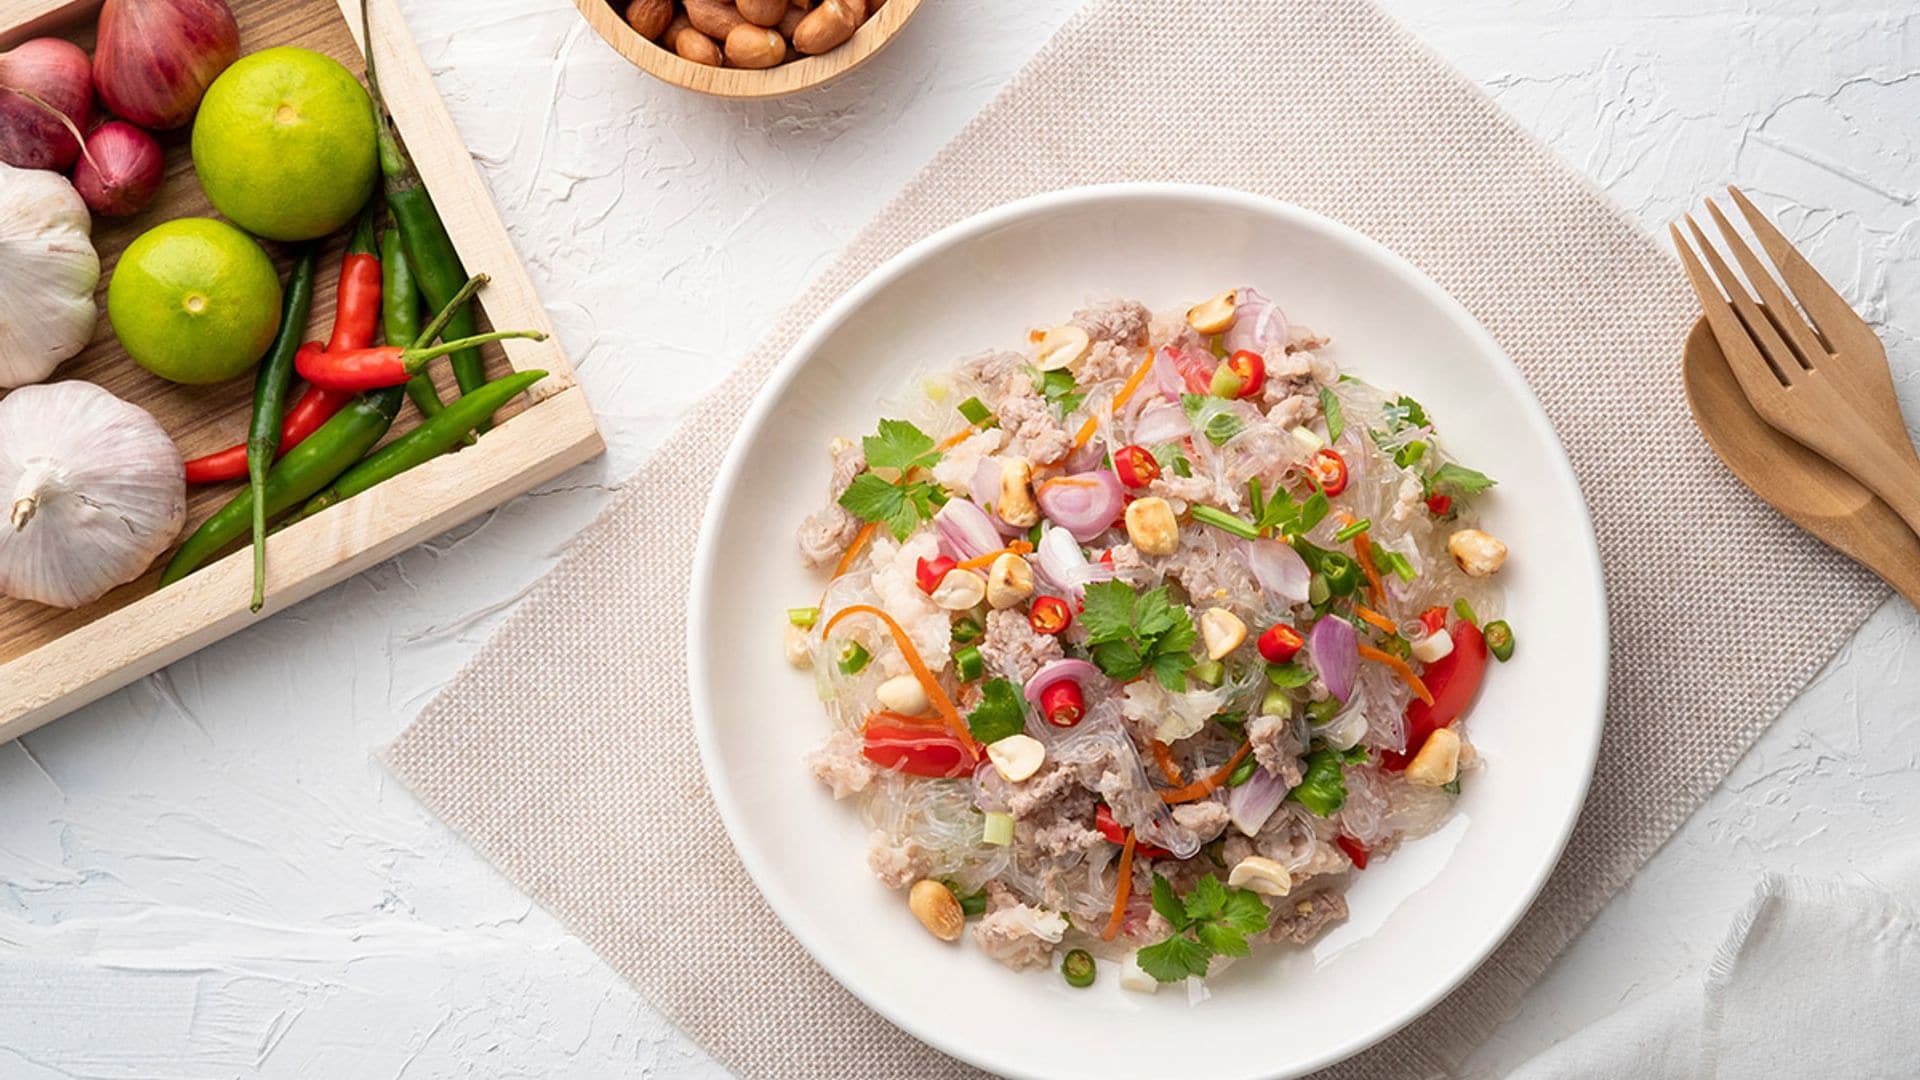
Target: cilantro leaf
1461,479
1119,659
1153,614
1168,904
1058,388
1170,668
1223,940
1206,899
873,499
1108,615
1336,416
1290,676
1174,959
1212,416
1244,911
899,445
1404,412
999,713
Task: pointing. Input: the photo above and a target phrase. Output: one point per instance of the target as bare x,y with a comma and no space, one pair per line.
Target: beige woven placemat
561,752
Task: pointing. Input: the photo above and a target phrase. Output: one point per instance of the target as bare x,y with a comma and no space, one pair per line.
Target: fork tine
1759,327
1825,307
1779,309
1756,375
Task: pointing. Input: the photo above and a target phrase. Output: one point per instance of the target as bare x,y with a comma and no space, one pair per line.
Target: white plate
1422,919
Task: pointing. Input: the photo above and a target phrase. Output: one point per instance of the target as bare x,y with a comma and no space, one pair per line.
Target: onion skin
58,73
121,170
156,58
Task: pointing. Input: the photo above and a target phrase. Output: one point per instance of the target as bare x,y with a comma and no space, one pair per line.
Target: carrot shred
1375,618
1018,547
1121,891
1164,757
1401,668
957,438
935,692
853,550
1205,786
1127,390
1363,554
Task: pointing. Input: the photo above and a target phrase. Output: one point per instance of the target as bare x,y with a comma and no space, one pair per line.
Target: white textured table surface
209,873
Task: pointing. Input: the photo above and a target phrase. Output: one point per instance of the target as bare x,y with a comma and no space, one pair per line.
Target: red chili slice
1252,370
1280,643
1135,466
1115,832
1050,615
1329,471
928,572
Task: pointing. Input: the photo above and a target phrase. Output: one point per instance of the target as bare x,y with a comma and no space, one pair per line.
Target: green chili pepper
1324,710
967,630
1242,772
1077,967
308,467
854,658
1275,702
430,252
1323,789
1499,640
435,436
968,664
803,617
400,315
1465,611
1342,573
1319,590
269,407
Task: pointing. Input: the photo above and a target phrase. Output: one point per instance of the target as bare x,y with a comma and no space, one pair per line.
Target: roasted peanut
750,46
1151,526
761,12
1016,506
1222,630
828,26
1262,875
1062,346
1477,554
1212,316
1017,757
903,694
1009,581
693,45
649,18
1438,762
714,18
960,590
937,909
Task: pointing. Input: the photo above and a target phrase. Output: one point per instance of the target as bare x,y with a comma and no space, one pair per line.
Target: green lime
195,301
285,144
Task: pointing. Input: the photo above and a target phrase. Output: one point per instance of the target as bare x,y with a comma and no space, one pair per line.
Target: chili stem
417,359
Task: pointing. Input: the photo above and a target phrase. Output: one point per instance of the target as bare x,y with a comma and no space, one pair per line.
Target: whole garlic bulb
48,269
93,491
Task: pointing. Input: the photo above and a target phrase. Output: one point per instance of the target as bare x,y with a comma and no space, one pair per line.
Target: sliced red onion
1161,422
1065,566
967,529
1079,672
1195,367
1166,377
1252,803
1085,504
986,481
1335,651
1258,325
1282,573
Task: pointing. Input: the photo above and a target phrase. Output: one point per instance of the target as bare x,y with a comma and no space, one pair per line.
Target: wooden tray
53,661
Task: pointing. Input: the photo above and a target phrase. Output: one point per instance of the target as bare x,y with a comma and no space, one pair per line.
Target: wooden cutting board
53,661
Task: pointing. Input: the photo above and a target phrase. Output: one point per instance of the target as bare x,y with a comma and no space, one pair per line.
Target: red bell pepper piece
930,572
1115,832
1453,680
914,747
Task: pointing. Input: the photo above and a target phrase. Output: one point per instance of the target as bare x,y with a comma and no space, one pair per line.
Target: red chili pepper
1062,703
1439,504
1434,619
929,572
1280,643
1355,850
314,408
1107,556
389,365
1115,832
1453,680
1251,369
1135,466
1050,615
1329,471
914,747
356,314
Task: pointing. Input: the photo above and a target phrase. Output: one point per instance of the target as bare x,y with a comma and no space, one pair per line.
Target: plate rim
783,373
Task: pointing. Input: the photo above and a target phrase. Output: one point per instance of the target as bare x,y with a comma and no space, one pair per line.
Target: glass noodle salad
1139,642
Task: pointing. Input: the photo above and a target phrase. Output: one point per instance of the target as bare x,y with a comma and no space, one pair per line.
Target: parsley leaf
999,713
1336,417
899,445
1214,920
1131,633
1284,514
1058,388
901,505
1289,676
1461,479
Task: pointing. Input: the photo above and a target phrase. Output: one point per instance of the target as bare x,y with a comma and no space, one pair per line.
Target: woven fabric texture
562,751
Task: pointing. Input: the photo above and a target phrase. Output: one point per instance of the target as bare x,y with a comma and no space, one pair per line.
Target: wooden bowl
782,79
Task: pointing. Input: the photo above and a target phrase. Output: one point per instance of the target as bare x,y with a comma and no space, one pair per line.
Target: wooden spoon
1812,492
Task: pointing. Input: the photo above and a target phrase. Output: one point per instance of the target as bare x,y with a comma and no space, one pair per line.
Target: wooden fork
1822,379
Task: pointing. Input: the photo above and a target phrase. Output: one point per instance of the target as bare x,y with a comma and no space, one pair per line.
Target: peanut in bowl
747,48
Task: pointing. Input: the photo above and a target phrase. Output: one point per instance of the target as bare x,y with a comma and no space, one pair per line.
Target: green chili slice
1499,640
1078,968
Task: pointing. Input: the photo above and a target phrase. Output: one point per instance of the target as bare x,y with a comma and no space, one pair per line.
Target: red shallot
42,81
155,58
120,170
